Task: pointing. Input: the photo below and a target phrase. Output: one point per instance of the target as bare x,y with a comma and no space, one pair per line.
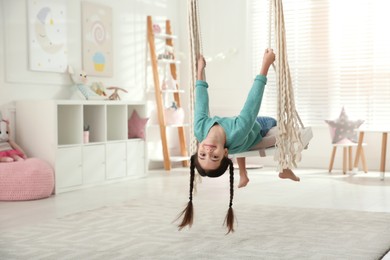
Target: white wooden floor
317,189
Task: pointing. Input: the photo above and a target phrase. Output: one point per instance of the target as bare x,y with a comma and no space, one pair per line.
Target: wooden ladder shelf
168,37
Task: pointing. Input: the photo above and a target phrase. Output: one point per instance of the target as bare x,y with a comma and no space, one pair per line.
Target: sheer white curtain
339,55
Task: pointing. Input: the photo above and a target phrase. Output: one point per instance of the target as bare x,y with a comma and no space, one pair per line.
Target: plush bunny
9,150
81,91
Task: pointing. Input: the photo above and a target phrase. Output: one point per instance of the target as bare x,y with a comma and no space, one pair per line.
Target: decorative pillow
342,129
136,126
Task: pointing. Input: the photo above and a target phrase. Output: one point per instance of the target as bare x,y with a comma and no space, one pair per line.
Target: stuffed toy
9,150
80,88
174,115
99,88
115,94
156,28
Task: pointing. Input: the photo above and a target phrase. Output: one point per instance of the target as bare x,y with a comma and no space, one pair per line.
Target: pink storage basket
30,179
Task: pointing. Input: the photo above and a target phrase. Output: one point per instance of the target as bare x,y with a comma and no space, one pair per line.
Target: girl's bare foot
243,179
288,174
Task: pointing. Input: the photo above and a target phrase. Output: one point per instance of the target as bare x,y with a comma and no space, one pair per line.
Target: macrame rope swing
196,49
288,142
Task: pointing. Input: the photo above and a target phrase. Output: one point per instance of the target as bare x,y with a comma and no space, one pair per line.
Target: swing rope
288,141
196,48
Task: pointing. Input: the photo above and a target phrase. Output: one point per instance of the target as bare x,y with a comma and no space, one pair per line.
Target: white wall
18,82
224,27
129,17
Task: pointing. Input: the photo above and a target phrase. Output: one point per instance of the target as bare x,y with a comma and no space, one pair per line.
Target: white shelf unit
53,130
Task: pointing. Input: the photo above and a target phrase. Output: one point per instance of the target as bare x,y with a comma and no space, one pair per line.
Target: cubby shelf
53,130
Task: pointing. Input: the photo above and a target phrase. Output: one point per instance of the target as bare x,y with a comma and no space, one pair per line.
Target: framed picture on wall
97,39
47,35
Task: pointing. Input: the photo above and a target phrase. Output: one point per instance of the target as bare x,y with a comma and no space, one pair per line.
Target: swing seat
306,136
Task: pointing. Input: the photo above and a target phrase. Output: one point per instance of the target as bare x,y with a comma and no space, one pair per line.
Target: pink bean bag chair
29,179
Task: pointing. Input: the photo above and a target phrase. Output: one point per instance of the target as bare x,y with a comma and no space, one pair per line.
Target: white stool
347,156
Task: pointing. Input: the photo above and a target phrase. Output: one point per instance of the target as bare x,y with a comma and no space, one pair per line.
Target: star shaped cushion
136,126
342,129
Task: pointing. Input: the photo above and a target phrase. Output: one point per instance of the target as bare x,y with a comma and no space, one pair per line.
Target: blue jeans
266,123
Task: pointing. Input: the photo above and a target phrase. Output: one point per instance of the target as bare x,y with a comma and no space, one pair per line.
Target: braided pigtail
188,212
229,219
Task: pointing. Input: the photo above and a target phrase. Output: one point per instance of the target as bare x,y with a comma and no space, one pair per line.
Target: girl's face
210,155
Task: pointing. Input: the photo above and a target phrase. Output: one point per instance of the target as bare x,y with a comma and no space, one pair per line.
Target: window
339,55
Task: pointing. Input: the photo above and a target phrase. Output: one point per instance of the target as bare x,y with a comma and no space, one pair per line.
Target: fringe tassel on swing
288,142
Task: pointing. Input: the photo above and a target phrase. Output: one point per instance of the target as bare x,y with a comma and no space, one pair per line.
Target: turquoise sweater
242,131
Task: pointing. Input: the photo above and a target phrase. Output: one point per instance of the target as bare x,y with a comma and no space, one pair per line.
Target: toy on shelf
115,95
80,88
9,150
168,54
156,28
99,89
174,115
168,82
86,134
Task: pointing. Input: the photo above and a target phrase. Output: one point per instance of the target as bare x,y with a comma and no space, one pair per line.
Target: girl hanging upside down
219,136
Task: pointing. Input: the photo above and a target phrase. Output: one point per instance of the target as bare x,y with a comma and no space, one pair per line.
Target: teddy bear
81,91
9,150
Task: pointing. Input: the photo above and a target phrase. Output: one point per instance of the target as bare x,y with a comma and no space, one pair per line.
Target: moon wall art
97,39
47,35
